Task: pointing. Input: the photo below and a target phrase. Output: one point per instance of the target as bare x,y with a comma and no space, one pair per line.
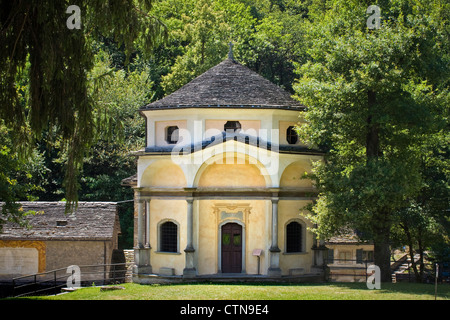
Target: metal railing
407,273
51,282
356,270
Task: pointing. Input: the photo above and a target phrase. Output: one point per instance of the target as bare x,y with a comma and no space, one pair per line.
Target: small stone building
348,258
57,240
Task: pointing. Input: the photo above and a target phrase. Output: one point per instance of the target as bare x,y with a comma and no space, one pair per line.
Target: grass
324,291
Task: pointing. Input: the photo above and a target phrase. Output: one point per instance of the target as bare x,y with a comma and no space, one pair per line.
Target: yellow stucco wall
207,238
210,220
207,219
292,175
293,210
163,173
161,211
232,175
255,218
216,172
207,222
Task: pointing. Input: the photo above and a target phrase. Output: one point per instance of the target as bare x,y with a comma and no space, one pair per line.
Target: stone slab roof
228,85
90,221
347,237
130,181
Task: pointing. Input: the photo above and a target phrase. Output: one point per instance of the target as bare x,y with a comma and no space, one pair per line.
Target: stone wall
129,258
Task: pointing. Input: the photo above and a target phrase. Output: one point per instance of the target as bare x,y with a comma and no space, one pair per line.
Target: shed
88,236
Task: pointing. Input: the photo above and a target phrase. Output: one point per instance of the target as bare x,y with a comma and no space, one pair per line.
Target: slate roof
228,85
130,181
90,221
347,237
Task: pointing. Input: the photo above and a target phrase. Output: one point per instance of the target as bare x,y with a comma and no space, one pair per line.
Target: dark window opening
363,256
232,126
330,258
294,237
172,134
61,223
291,135
169,237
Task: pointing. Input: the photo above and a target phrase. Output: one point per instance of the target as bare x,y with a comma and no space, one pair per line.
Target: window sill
166,252
295,253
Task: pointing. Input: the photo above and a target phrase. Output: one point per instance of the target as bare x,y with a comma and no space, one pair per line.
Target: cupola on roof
228,85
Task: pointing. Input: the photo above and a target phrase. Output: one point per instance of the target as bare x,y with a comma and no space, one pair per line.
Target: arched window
291,135
168,237
232,126
294,237
172,134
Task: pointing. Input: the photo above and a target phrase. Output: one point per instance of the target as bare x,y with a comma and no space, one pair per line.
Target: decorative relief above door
232,211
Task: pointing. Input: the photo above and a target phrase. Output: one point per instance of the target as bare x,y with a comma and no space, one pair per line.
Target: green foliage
59,59
346,63
19,178
378,100
265,39
373,96
121,92
424,222
117,94
205,27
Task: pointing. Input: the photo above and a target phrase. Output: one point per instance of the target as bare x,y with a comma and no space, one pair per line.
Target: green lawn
328,291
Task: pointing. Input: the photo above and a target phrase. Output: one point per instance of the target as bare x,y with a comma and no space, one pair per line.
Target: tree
205,27
267,40
18,179
372,96
120,90
59,61
277,41
109,160
424,223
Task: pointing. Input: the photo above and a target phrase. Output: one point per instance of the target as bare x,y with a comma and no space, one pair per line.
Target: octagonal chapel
219,188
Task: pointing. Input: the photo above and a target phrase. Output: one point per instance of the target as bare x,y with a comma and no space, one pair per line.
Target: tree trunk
381,219
411,251
381,250
421,254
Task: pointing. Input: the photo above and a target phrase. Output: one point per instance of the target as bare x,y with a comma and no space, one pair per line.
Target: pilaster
142,250
189,271
274,251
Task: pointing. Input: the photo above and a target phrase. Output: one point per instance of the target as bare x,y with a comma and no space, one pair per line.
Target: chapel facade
219,187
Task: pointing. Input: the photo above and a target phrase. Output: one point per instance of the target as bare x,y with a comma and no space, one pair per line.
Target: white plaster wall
160,130
198,120
18,261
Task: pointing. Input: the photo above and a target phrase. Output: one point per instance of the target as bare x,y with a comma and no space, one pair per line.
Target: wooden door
231,248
